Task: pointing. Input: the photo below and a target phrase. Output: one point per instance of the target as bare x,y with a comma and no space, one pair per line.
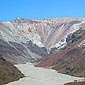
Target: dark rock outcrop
74,36
8,72
41,51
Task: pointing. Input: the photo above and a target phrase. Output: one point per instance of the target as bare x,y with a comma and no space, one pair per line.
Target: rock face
8,72
74,36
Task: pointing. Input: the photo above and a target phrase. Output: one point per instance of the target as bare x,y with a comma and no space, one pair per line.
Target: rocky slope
47,32
8,72
71,59
16,53
34,39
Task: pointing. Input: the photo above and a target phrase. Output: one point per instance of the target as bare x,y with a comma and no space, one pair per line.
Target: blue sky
40,9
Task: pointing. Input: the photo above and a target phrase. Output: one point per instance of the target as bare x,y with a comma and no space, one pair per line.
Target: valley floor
41,76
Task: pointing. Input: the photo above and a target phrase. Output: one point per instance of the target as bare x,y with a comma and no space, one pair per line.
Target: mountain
47,33
27,40
71,59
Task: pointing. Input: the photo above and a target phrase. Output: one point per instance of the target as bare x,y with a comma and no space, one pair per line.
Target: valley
44,51
41,76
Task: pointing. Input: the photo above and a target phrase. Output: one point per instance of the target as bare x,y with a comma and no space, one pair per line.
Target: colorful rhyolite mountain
57,43
33,39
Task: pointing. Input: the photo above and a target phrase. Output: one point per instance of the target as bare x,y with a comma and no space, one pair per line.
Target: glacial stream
41,76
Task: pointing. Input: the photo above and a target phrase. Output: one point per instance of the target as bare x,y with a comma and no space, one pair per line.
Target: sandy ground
41,76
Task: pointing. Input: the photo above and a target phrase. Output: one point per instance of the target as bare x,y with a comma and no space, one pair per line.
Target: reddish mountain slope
53,59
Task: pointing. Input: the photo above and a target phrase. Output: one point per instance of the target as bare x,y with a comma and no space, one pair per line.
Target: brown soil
75,83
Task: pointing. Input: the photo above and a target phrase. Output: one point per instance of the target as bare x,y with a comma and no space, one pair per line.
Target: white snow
41,76
37,40
62,43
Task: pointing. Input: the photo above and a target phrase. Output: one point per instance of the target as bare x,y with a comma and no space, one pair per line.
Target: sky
41,9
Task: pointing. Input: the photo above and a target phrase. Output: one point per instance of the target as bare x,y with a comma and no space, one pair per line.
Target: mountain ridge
42,33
